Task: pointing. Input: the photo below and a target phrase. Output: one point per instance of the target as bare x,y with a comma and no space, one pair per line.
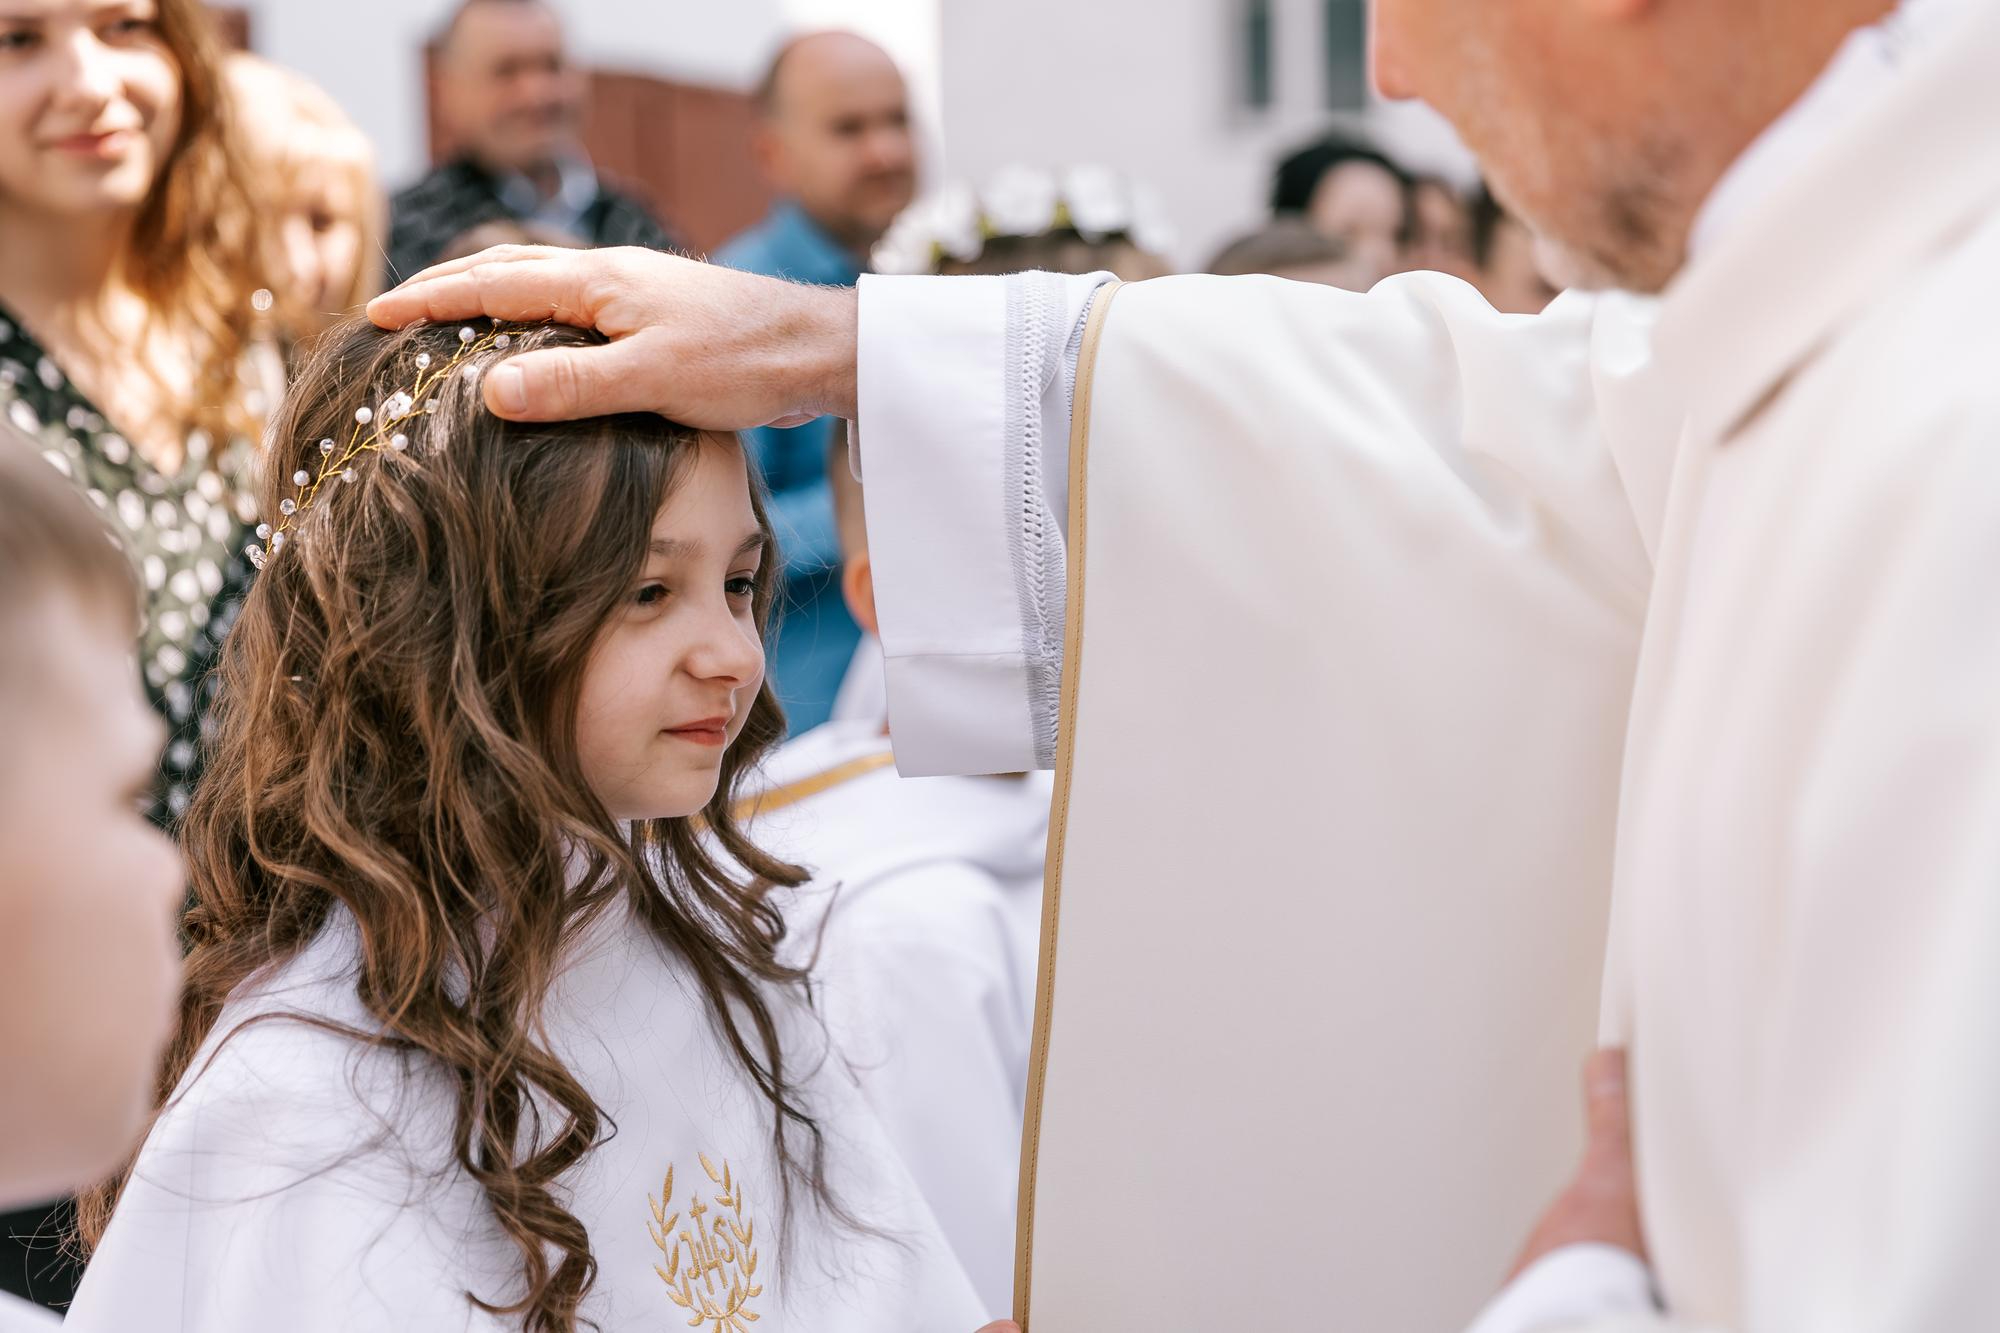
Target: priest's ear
857,585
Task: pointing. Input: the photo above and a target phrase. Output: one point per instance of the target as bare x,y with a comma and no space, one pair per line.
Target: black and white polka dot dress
186,533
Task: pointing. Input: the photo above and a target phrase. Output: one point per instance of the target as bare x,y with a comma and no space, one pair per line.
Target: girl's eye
650,595
743,586
16,39
134,27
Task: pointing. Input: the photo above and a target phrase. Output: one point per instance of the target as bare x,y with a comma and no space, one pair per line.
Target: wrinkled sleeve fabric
1575,1286
964,391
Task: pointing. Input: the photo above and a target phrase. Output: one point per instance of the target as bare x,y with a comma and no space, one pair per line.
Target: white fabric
924,911
1802,943
300,1181
1573,1285
963,678
17,1316
1807,808
863,695
1596,1280
1865,66
1353,669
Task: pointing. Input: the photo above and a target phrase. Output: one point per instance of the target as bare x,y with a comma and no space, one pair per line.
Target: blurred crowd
177,226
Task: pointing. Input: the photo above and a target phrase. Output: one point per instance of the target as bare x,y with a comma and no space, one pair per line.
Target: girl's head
315,177
461,670
594,590
113,111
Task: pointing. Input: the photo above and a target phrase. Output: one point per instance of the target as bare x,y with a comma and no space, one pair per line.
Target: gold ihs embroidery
711,1263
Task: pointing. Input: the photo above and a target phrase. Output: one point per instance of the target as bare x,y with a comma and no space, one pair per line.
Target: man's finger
529,287
498,254
1606,1101
564,383
1004,1326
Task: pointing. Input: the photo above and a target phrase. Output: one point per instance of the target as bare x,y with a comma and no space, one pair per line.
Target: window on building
1256,59
1346,37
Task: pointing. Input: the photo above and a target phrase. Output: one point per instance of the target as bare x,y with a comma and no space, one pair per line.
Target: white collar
1865,65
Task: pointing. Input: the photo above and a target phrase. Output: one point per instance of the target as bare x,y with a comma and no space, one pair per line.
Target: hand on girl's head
90,892
670,681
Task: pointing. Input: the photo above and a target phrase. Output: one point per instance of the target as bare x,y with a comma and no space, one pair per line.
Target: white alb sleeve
1577,1286
963,391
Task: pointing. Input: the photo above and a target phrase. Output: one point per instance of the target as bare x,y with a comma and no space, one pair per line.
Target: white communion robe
922,920
1426,578
18,1316
303,1182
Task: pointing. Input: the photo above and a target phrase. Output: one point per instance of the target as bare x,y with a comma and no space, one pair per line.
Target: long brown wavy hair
396,738
198,254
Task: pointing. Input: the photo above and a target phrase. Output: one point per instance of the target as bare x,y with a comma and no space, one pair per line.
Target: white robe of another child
924,911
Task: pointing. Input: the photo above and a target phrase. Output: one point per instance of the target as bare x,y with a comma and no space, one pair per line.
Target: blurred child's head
315,174
493,680
507,231
1291,247
89,890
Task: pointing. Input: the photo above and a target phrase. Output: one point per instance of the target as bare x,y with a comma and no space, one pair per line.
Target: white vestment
301,1181
922,918
1787,512
18,1316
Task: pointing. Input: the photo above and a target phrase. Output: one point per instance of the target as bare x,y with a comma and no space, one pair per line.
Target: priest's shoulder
1247,329
1931,336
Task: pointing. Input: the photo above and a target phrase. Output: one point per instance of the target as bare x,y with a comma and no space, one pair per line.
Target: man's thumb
564,383
1606,1103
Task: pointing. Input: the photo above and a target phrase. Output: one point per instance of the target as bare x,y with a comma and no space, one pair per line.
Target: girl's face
671,679
90,102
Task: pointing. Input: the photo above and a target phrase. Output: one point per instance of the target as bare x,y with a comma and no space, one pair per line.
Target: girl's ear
857,585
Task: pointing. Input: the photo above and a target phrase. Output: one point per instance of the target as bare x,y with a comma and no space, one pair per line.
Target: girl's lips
710,731
109,144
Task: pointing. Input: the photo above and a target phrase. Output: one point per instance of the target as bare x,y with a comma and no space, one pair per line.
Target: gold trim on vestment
1045,981
777,798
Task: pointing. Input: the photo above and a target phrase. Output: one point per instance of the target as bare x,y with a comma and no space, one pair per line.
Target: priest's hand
1601,1202
707,346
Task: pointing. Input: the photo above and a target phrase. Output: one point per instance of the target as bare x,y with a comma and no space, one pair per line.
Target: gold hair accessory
375,429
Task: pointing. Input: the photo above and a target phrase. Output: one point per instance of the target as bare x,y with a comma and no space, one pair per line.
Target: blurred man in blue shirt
835,144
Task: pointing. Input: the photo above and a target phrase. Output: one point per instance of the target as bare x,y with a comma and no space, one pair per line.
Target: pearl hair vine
376,429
